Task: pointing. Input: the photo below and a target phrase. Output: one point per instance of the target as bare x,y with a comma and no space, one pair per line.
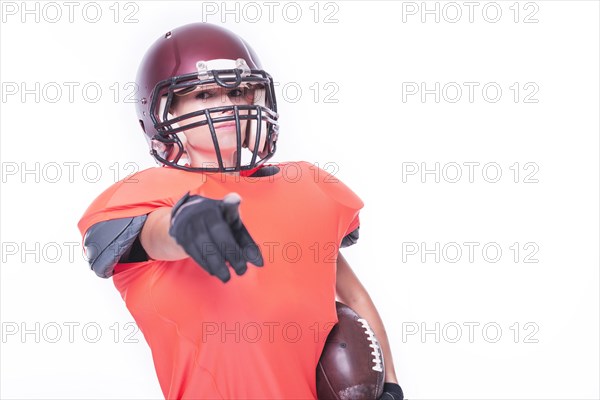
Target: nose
226,113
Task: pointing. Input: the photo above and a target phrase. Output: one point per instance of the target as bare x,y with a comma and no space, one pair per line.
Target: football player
229,265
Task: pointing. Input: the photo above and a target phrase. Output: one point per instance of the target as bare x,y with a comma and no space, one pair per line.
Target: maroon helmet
197,56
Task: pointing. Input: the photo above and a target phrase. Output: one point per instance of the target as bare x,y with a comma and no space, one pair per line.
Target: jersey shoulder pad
139,194
333,187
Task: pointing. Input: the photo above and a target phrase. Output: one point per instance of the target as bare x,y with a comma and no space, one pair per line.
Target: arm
207,230
352,293
155,238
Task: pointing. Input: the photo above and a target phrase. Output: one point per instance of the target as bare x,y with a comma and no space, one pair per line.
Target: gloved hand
211,232
392,391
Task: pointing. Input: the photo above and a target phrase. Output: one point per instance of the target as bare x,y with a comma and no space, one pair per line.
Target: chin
229,158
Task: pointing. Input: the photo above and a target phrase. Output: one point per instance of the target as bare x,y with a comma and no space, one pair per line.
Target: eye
203,95
235,93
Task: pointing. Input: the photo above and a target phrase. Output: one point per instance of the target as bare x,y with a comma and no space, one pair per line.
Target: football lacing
378,365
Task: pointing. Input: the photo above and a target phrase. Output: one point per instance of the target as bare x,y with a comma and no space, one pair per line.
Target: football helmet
198,57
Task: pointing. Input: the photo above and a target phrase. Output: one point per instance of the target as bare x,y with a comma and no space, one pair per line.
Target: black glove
211,232
392,391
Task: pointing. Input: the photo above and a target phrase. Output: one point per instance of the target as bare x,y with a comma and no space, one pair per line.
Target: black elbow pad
350,238
108,241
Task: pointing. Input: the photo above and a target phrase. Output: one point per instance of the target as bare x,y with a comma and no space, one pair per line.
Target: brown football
351,366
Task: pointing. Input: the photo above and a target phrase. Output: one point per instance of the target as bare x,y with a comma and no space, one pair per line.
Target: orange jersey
260,335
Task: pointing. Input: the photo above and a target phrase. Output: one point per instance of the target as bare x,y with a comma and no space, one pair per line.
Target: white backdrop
470,130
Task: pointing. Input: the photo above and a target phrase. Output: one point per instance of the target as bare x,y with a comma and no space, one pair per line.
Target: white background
370,53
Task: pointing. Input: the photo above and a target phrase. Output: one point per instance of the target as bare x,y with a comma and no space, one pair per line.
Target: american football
351,364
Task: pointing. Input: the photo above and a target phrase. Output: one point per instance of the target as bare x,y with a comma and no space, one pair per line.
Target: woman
170,235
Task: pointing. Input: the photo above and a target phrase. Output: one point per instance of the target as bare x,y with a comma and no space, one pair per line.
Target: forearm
155,238
359,300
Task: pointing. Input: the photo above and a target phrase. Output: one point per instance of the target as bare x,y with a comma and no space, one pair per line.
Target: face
198,141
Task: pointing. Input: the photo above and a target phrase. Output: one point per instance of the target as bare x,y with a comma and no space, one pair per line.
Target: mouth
227,124
224,125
